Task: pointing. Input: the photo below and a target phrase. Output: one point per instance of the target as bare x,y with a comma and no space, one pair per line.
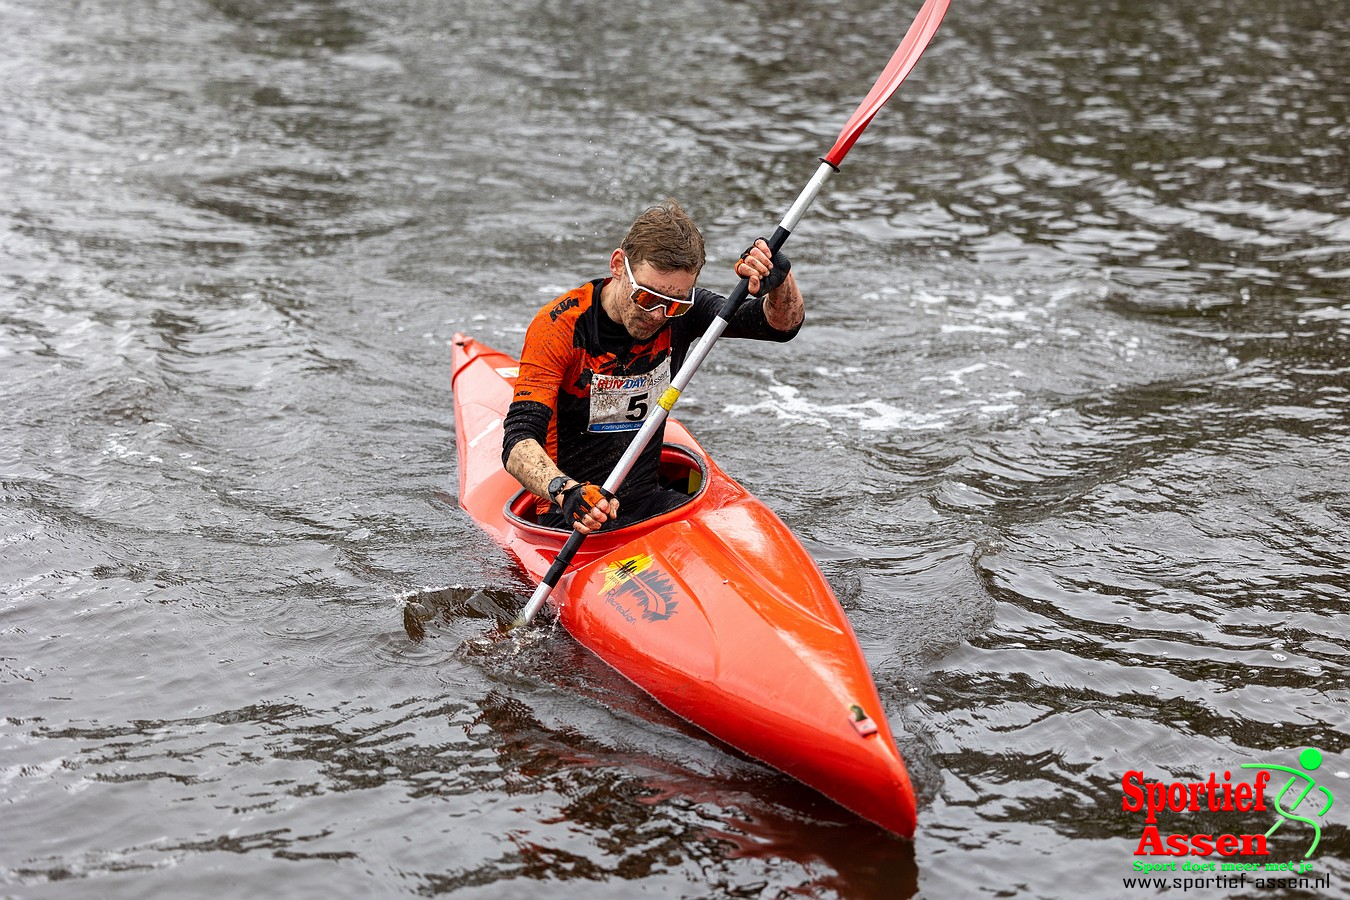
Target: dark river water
1068,429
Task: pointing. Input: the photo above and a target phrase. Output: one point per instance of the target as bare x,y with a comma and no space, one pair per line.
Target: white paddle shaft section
696,356
807,196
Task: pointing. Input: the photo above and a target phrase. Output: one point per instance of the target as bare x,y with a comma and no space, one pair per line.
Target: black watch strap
555,486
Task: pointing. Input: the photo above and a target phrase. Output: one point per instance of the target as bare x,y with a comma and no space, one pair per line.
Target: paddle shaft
906,55
656,419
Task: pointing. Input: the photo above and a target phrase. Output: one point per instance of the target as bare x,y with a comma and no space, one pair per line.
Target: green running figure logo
1310,759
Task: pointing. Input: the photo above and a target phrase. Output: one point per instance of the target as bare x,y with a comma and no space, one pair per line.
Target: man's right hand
588,506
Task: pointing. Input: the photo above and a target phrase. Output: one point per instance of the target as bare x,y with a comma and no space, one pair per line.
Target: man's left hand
765,269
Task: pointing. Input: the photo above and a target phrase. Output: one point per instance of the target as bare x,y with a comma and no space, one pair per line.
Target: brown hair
665,237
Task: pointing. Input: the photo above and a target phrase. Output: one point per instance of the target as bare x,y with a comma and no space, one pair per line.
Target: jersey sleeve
543,365
543,361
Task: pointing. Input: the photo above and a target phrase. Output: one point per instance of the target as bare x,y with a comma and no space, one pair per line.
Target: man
598,358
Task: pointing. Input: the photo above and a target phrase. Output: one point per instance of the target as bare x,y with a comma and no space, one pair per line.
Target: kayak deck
714,609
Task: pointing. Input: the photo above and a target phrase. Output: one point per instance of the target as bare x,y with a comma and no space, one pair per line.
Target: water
1067,429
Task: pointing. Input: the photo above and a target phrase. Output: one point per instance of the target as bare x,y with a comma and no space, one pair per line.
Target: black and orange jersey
586,386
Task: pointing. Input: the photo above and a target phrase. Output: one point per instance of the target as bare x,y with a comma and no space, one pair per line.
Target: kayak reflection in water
598,358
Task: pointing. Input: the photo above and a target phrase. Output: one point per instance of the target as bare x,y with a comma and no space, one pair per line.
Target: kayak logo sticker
637,581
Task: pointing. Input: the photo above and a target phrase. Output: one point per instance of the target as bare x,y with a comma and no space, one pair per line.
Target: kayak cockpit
680,469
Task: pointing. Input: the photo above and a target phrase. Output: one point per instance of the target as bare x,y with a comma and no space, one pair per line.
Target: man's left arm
782,307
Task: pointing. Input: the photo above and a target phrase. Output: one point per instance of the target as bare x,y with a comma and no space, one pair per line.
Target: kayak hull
714,609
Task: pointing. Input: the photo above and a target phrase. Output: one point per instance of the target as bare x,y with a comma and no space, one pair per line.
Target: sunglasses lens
651,302
678,309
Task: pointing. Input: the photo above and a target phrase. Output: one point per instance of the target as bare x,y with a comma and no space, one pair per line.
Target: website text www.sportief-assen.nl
1239,881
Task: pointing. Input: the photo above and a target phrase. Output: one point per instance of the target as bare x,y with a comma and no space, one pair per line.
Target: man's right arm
531,465
543,366
526,460
534,403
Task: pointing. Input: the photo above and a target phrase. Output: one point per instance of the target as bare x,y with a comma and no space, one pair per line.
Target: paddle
906,55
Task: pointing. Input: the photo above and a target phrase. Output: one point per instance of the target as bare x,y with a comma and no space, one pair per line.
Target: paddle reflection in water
448,604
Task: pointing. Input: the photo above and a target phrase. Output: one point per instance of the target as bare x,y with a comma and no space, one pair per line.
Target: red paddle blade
916,40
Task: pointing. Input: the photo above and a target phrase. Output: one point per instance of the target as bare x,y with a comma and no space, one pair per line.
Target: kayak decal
485,432
637,581
861,721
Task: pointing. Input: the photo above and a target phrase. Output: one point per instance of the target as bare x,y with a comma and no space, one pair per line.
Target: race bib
621,402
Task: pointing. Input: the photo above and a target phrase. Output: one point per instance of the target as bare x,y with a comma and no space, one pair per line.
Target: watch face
556,485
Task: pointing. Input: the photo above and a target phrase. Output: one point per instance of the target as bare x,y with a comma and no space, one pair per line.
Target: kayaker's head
654,270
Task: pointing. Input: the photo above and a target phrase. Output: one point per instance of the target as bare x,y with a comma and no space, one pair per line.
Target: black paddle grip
563,559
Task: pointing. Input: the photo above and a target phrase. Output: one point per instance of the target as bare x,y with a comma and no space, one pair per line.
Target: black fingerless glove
580,499
777,275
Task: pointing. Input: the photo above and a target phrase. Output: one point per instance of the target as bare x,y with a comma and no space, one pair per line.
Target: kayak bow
715,609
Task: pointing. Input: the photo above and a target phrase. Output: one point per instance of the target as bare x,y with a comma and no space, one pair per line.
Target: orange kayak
715,608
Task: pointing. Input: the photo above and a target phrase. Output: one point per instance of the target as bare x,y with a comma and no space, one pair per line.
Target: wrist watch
555,486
